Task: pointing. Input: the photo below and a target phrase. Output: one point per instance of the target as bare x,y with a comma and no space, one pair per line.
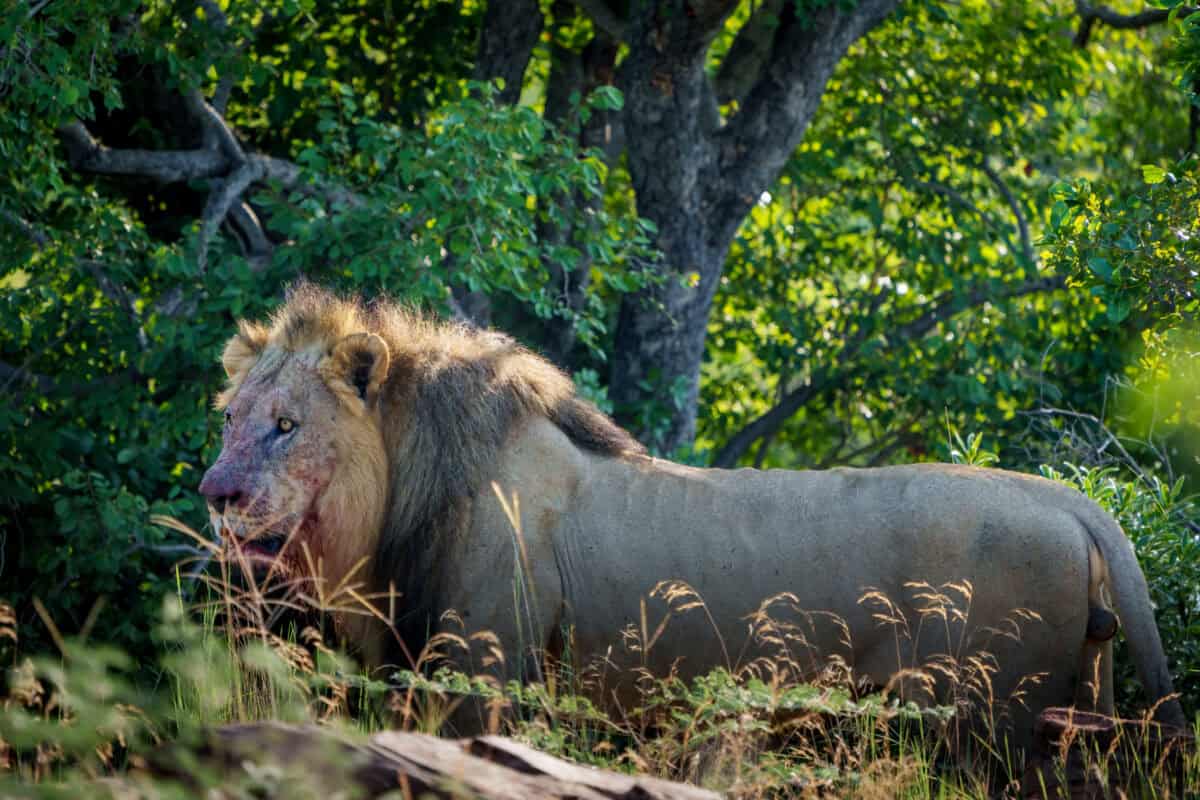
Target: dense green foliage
985,227
111,375
910,263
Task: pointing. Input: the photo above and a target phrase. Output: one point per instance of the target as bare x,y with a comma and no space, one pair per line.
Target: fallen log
280,760
1084,756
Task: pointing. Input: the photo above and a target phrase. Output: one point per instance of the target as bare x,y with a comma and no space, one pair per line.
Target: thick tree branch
759,139
291,178
223,196
255,244
222,159
217,132
27,229
165,166
1014,204
944,307
1091,13
173,166
771,422
743,63
511,29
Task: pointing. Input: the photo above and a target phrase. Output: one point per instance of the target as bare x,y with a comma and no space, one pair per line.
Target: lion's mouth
264,547
260,545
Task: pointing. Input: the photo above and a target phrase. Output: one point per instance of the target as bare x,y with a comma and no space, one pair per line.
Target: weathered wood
326,761
611,784
1085,756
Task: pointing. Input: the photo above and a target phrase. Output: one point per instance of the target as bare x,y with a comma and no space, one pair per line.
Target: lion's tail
1127,585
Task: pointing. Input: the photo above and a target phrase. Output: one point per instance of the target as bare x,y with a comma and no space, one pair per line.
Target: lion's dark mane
453,396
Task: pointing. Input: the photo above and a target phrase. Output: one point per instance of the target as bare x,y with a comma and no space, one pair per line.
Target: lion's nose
221,487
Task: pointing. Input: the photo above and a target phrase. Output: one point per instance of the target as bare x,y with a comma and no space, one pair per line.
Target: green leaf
1118,309
1100,266
1057,213
1153,174
607,98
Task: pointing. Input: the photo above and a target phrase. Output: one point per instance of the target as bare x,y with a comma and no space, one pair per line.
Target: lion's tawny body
600,532
410,443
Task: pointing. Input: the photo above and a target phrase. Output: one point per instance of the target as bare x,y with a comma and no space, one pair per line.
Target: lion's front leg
503,604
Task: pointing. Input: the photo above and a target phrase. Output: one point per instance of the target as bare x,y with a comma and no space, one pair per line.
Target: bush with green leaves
1161,521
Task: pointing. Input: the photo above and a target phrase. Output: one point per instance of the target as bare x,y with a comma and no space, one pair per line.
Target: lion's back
825,537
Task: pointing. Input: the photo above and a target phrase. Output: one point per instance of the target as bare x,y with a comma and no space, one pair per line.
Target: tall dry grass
244,644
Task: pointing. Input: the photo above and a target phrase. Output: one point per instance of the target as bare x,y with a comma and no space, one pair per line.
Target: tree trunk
670,117
660,337
696,176
510,32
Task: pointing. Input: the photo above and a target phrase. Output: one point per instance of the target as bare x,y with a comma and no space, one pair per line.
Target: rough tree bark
696,176
509,33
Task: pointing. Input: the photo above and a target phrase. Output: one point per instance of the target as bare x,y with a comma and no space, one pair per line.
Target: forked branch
1091,13
944,307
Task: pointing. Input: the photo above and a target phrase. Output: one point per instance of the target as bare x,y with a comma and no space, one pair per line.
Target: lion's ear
243,349
356,367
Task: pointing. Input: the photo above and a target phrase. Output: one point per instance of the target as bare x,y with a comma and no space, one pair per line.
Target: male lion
358,430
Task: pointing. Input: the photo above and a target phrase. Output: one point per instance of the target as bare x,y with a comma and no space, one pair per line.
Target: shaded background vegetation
987,223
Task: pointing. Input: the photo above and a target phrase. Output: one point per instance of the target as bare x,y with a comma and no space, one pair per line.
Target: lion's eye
286,425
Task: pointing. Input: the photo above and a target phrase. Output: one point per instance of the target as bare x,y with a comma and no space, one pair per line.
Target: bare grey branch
166,166
217,132
256,246
221,199
27,229
1015,205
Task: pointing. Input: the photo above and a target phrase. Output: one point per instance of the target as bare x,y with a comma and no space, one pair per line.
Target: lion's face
301,482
